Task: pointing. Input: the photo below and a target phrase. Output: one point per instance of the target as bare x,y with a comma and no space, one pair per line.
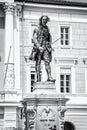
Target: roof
82,3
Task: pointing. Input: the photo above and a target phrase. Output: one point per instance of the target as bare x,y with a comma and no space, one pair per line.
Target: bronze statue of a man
42,49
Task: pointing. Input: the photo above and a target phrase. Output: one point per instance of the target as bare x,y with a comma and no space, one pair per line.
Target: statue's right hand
41,49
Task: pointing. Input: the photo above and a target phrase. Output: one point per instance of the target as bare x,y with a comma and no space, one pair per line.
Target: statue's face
44,20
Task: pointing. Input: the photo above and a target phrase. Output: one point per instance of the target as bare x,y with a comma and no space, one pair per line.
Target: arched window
69,126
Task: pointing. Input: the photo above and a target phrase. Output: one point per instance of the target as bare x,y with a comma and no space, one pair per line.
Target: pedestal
44,108
44,88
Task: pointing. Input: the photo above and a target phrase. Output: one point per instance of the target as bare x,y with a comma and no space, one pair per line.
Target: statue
42,49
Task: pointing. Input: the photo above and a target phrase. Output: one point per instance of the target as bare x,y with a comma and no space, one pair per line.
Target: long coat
42,38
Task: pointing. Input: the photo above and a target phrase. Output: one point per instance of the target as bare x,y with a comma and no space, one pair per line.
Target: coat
41,38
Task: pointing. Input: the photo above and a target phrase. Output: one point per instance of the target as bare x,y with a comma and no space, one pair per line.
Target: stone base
44,108
44,87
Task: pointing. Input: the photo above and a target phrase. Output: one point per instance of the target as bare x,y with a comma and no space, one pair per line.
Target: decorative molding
10,78
30,115
66,60
18,11
55,6
61,110
47,111
85,64
9,7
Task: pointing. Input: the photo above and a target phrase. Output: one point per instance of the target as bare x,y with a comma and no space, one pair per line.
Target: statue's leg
37,67
31,55
48,70
46,58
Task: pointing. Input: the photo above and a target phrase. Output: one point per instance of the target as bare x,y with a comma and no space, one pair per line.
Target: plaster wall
78,48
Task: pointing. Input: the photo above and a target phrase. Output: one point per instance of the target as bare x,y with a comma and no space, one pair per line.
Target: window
66,74
1,113
64,35
33,79
65,81
2,22
0,58
33,26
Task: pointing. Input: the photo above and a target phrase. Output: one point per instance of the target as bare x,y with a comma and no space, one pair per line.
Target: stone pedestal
44,88
44,108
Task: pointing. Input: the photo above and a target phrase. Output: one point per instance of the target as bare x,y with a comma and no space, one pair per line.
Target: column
9,63
86,79
28,76
58,79
61,111
28,90
73,79
9,10
17,48
85,65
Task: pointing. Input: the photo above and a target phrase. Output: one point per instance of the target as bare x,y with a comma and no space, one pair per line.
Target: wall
10,117
78,120
78,49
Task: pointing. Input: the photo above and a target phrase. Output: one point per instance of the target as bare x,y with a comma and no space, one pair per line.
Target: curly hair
40,20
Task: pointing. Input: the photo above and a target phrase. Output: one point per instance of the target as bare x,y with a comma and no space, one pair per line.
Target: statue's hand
41,49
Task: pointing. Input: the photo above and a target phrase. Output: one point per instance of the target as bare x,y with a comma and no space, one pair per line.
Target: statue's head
43,20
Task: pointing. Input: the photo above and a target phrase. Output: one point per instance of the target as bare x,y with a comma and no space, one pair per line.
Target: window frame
1,113
70,35
65,80
31,24
32,71
65,37
32,80
66,63
2,22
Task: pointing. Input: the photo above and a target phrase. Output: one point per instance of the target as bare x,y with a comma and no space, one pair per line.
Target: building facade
68,27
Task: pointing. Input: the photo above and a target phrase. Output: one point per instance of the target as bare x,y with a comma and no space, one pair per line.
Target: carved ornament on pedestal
47,112
61,110
30,116
10,77
47,118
